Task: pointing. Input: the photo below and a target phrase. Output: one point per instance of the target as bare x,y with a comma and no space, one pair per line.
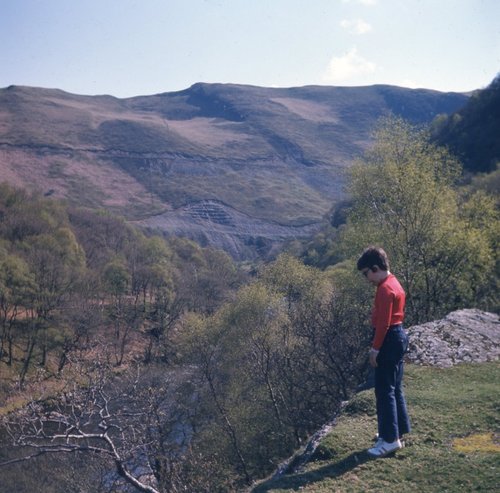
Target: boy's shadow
332,470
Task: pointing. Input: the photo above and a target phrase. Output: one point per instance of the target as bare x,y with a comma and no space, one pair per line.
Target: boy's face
374,275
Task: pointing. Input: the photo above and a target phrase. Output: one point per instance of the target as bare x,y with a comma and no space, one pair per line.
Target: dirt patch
208,131
308,110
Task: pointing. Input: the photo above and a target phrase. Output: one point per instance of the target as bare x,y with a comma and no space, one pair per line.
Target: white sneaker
378,441
384,448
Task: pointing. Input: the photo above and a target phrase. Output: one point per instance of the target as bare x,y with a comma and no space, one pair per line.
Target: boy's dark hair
373,256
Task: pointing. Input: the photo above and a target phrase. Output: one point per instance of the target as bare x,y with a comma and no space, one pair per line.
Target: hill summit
238,167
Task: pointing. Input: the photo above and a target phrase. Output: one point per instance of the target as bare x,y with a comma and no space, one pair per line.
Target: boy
389,344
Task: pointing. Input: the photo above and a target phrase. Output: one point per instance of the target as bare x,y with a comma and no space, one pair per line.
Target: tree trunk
229,427
27,361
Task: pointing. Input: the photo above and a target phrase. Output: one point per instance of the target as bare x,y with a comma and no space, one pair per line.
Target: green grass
445,405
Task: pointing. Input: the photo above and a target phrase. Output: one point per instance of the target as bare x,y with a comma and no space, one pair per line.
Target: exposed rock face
212,222
462,336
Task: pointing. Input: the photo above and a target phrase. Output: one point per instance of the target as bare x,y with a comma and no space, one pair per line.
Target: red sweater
388,308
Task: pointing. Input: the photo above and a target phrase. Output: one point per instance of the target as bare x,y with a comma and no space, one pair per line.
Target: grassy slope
444,405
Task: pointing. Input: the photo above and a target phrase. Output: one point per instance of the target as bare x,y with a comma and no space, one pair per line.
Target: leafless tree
136,421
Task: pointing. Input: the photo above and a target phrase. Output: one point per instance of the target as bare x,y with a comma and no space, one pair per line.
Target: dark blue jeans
392,415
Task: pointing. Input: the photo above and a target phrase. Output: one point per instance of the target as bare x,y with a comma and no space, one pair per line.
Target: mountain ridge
276,155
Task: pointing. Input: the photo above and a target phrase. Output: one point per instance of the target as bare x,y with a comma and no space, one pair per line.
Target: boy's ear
374,268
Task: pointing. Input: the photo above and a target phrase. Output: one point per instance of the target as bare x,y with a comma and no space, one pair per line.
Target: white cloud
346,67
356,26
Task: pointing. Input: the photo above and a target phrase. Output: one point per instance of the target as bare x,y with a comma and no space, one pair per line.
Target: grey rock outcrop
213,223
463,336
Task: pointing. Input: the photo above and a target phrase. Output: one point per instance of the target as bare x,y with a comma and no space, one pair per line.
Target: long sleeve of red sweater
388,308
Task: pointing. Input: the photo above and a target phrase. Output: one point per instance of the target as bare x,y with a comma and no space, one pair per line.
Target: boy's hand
373,357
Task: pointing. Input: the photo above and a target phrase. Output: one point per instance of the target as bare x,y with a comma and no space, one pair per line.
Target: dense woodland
134,363
472,132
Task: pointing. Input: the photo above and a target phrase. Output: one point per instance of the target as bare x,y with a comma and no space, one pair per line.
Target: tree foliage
472,132
406,199
80,287
276,362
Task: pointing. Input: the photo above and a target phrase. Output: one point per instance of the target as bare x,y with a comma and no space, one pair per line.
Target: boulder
463,336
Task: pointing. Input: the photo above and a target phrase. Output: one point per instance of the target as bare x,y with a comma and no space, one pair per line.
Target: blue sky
139,47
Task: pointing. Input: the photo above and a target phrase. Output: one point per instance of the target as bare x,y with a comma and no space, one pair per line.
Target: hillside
472,131
452,394
238,167
453,448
